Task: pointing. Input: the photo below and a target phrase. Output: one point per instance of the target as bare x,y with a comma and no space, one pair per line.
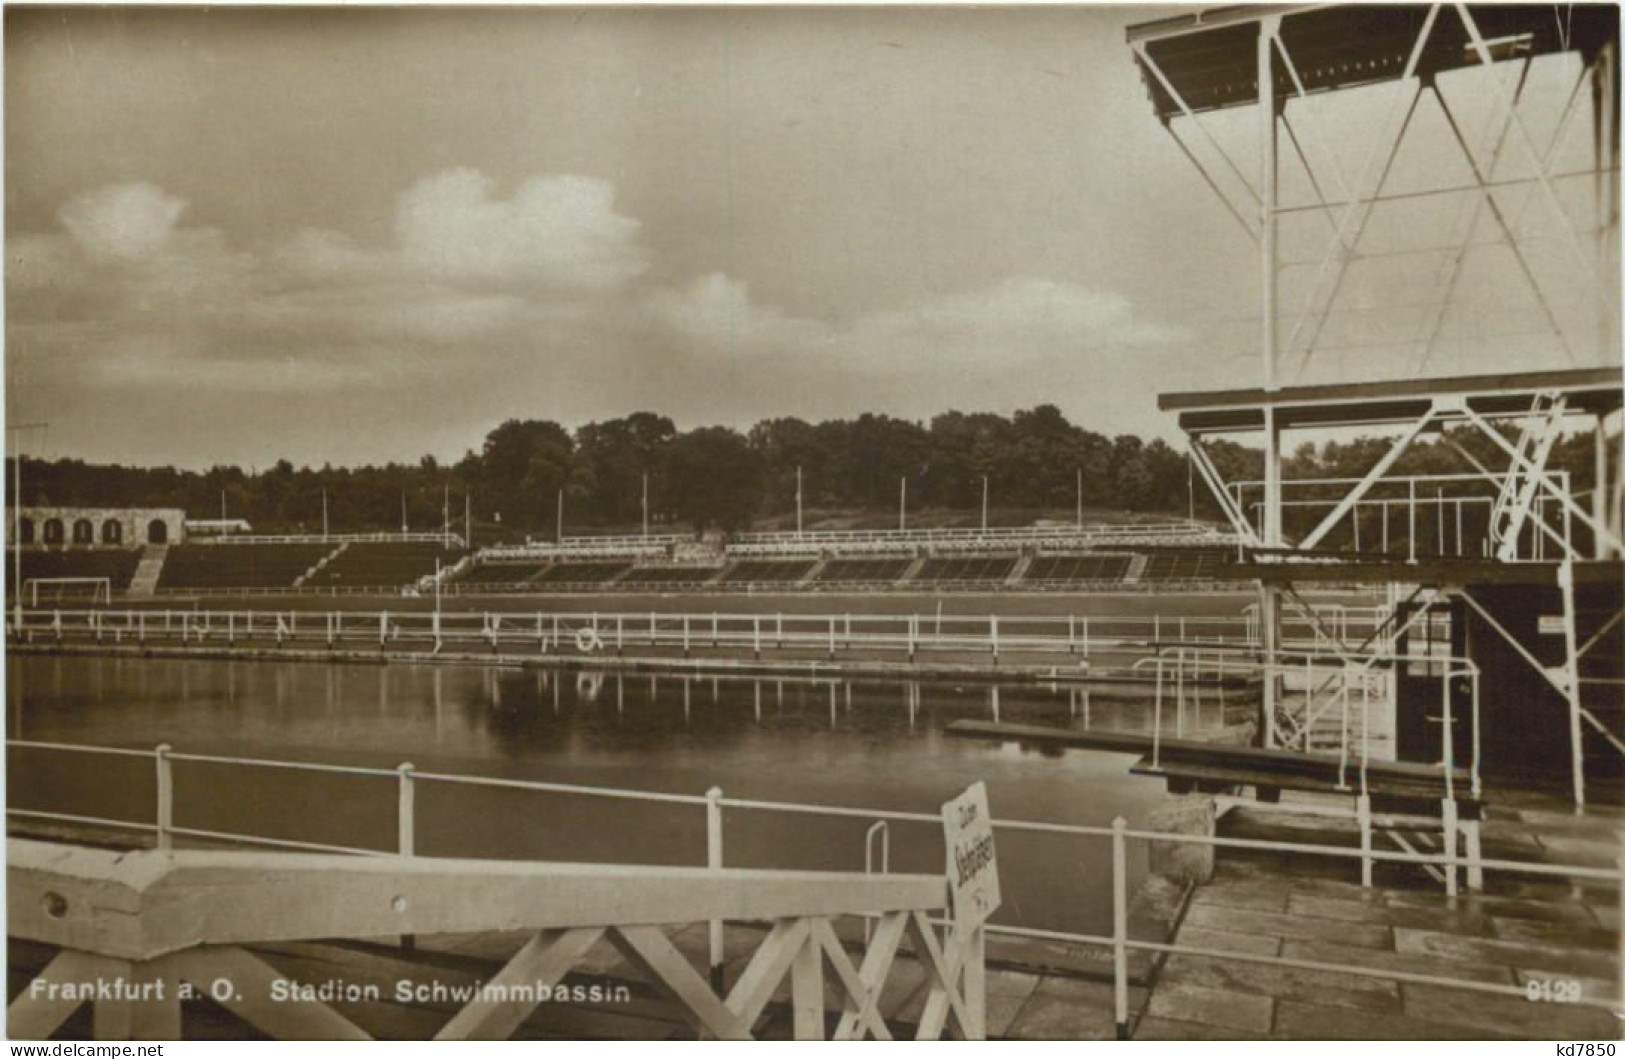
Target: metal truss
1347,201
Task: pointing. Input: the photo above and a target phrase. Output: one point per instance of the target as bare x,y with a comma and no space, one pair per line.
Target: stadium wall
95,527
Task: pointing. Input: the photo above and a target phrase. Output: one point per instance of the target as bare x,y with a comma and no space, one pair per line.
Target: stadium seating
198,566
1183,566
581,573
381,564
500,573
1073,569
858,571
117,565
764,570
983,568
670,576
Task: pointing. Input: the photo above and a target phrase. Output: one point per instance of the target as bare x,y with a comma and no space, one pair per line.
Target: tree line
1036,463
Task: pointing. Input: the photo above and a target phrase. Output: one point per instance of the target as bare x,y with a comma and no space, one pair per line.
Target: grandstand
670,576
1059,570
862,571
388,565
1167,566
492,574
190,567
992,569
582,573
756,571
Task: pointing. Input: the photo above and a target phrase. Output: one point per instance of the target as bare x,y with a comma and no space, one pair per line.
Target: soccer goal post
60,589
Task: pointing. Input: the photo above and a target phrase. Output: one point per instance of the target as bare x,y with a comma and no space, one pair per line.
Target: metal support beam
1371,478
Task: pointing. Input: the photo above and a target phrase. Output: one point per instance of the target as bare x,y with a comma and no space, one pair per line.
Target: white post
798,501
406,812
713,859
1120,925
165,819
984,503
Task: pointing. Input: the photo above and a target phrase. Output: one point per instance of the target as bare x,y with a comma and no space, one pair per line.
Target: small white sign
1551,625
973,866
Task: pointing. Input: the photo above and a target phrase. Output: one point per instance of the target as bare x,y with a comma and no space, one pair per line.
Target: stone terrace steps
1297,907
144,582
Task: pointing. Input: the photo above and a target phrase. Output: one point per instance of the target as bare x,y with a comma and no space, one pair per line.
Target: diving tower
1416,194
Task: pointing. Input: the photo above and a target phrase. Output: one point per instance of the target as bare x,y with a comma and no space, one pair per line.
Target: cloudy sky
363,235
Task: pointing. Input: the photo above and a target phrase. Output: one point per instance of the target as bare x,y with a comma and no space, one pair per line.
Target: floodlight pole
1080,498
561,516
468,520
646,503
984,503
902,502
324,514
403,511
798,501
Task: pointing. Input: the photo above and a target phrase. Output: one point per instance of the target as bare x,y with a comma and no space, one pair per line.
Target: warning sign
973,867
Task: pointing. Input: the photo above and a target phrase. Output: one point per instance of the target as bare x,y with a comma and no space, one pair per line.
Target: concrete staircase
912,571
1136,567
812,574
299,581
1019,571
144,582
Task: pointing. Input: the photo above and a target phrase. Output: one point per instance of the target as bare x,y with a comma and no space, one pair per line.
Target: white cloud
534,303
145,298
122,222
1017,322
561,231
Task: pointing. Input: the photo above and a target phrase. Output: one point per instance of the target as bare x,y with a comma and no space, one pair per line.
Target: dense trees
714,477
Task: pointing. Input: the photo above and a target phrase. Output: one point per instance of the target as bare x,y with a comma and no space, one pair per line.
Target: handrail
805,808
1119,833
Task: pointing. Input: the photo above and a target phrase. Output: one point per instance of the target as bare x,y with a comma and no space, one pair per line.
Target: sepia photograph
1078,522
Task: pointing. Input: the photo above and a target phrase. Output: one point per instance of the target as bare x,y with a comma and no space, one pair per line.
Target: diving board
1593,391
1192,764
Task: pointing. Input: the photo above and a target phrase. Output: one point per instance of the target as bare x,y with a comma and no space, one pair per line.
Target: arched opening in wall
112,532
53,531
25,531
157,532
83,531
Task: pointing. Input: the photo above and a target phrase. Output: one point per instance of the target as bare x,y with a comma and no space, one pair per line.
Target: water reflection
824,741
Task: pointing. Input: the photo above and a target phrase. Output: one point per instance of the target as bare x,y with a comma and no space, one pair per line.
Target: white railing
1449,863
1399,518
1330,677
447,539
595,632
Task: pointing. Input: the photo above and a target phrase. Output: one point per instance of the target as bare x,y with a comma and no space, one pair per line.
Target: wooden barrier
185,916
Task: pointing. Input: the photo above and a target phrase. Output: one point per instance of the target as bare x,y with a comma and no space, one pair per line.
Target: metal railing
618,632
382,537
1002,533
1328,676
1450,861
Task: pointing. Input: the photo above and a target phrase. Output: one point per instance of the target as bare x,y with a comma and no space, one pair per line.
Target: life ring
588,640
